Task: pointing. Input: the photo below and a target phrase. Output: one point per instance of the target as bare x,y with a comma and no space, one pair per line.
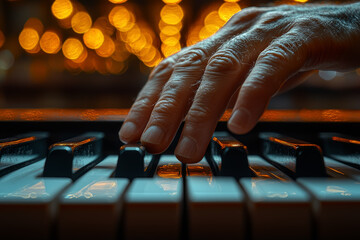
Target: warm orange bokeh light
172,14
81,22
2,39
28,39
301,1
171,1
62,9
227,10
213,18
170,50
50,42
121,18
107,48
36,24
207,31
104,25
93,38
170,30
82,57
72,48
117,1
231,1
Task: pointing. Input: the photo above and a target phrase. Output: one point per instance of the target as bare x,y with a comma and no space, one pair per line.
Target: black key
22,150
228,156
73,157
135,162
295,157
342,148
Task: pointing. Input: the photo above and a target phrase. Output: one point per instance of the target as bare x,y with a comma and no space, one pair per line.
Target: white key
215,208
277,209
200,169
263,169
30,172
337,169
153,206
91,208
27,207
336,205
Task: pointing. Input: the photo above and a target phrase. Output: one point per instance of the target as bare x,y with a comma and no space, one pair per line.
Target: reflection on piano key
342,148
340,170
229,156
216,208
336,205
73,157
21,150
200,169
95,200
153,208
277,209
263,169
28,207
169,167
134,162
295,157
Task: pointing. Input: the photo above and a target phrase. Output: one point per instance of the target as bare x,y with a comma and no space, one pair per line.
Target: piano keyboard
73,180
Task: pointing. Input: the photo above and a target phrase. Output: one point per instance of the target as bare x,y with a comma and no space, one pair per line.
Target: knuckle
172,87
142,103
164,108
164,68
223,61
198,114
272,17
193,57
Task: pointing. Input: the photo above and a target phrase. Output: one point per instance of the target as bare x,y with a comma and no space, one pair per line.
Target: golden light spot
36,24
81,22
104,25
114,67
93,38
170,50
231,1
227,10
170,30
132,35
138,45
117,1
2,39
171,41
120,54
107,48
82,57
50,42
162,25
207,31
28,38
193,36
147,54
163,36
213,18
72,48
36,49
62,9
155,61
121,18
172,14
301,1
171,1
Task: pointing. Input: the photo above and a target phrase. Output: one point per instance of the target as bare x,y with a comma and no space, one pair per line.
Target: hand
259,52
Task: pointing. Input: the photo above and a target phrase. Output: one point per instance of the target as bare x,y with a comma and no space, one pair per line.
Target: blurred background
99,53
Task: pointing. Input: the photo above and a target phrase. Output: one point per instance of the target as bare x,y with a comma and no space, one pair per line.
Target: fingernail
127,131
239,120
186,148
153,135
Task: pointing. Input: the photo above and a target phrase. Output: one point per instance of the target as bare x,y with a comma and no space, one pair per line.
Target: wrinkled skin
258,53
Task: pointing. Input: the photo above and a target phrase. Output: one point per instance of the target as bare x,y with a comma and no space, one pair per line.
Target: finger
277,63
296,80
180,89
140,111
221,79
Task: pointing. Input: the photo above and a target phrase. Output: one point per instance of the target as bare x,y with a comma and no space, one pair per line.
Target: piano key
95,200
337,169
336,204
277,209
134,162
342,148
265,170
28,207
22,150
295,157
200,169
168,167
73,157
229,156
216,208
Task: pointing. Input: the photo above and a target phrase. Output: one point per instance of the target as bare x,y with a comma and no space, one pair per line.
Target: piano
65,175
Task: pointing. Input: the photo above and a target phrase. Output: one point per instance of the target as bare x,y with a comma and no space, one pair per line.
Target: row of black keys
226,155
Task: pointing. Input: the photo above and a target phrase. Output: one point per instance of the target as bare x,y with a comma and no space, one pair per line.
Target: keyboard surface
71,178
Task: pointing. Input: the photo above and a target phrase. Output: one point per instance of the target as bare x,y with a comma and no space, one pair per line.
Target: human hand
258,53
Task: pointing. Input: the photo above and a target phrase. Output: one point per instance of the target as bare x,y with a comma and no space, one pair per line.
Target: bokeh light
28,39
81,22
301,1
107,48
213,18
171,14
227,10
93,38
36,24
62,9
121,18
170,50
2,39
50,42
117,1
231,1
171,1
72,48
104,25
